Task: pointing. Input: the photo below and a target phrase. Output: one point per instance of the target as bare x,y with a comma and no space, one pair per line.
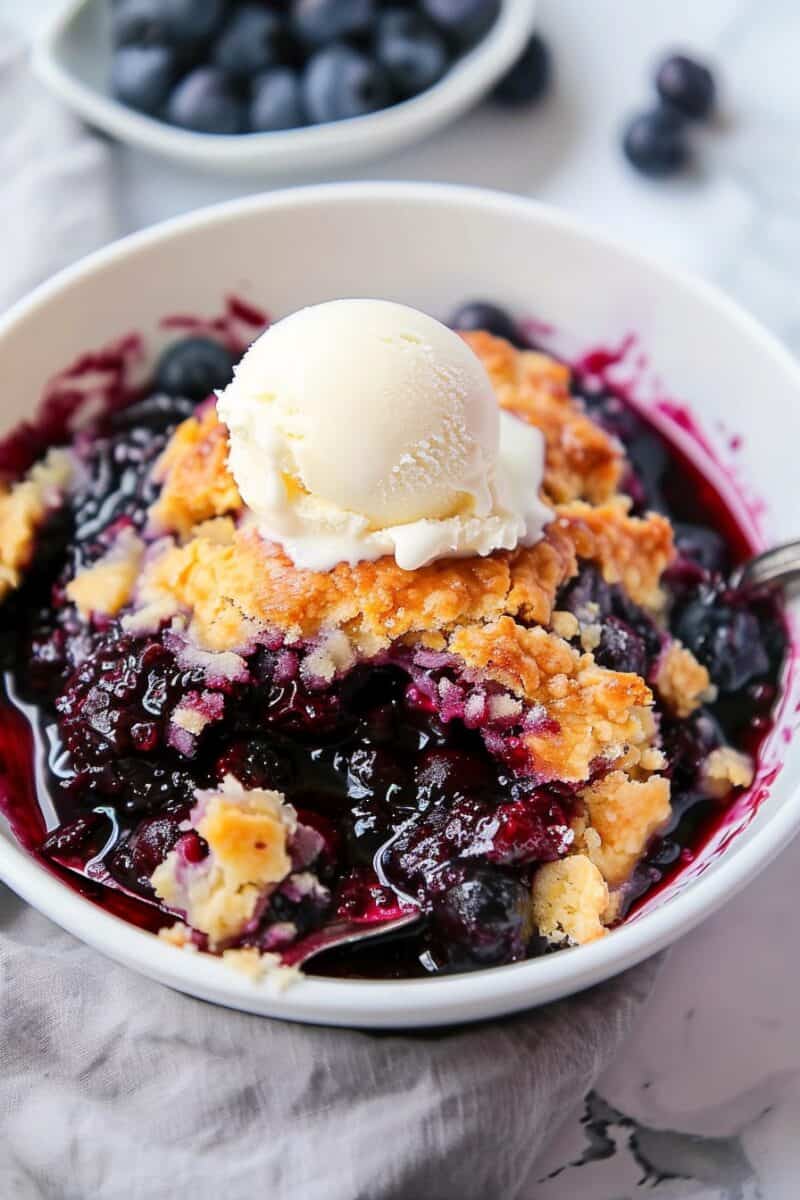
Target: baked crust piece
570,901
581,460
588,713
621,816
23,509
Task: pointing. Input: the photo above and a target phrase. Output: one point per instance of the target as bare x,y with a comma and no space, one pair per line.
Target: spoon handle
780,565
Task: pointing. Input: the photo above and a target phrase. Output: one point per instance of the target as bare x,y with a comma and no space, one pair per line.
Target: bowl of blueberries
285,85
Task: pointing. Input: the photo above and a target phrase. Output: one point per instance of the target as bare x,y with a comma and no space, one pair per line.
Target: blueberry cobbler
391,621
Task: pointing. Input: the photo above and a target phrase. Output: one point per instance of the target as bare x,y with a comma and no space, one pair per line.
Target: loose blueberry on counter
205,102
462,21
482,314
655,142
410,50
686,84
339,82
276,101
249,42
528,79
194,367
171,21
318,22
141,76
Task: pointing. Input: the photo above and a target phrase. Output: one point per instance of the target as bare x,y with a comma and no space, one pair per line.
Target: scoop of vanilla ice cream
360,428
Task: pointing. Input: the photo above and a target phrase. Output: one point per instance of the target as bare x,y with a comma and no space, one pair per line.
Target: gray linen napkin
114,1087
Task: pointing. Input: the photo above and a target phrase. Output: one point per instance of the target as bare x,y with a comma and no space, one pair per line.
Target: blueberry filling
430,800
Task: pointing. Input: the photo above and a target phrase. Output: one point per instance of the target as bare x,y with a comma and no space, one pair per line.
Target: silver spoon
778,566
344,933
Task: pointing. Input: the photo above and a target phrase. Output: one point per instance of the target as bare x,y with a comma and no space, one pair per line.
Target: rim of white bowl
438,1000
313,146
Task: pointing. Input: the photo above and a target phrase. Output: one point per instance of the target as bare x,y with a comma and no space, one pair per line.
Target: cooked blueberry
484,918
702,545
462,21
250,41
413,54
194,367
175,21
339,82
321,21
620,648
481,314
726,640
587,596
157,412
655,142
205,102
141,76
276,101
528,79
686,84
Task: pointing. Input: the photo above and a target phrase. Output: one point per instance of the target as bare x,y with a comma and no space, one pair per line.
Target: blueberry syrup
404,791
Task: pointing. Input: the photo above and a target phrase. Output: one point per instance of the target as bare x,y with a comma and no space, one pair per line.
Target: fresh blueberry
528,79
205,102
655,142
483,919
725,639
339,82
462,21
276,101
141,76
250,41
702,545
686,84
413,54
319,22
173,21
481,314
194,367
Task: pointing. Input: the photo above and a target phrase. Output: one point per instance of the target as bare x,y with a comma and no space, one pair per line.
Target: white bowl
433,246
72,56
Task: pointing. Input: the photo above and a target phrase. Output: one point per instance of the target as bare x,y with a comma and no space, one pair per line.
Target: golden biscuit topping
246,833
570,901
23,508
581,461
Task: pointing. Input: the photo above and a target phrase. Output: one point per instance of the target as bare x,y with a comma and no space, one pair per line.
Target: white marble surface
705,1100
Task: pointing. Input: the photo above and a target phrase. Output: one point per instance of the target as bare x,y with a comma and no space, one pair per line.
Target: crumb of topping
726,769
23,508
581,460
564,624
570,900
590,712
108,584
333,655
681,681
246,833
179,935
591,636
621,817
257,966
